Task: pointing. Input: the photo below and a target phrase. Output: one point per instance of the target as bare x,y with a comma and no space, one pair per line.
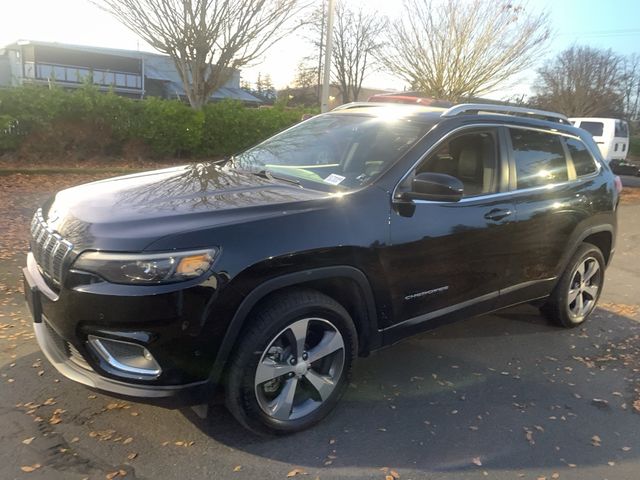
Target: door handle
497,214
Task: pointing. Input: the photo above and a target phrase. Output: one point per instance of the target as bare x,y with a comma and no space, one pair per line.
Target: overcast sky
607,24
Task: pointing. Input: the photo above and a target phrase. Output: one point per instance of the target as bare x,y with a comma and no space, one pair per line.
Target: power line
604,33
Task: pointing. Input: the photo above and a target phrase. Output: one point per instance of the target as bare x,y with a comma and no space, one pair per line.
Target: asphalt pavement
503,396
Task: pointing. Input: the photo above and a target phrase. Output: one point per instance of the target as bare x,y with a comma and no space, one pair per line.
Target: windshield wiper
268,174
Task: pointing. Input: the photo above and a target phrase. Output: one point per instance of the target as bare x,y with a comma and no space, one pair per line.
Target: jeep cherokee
264,275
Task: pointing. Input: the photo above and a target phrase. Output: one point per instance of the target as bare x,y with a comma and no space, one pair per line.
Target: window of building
539,158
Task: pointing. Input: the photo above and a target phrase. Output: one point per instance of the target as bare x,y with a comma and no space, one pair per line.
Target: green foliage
61,124
634,146
229,127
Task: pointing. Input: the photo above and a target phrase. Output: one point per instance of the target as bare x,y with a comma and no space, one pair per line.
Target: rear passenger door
550,195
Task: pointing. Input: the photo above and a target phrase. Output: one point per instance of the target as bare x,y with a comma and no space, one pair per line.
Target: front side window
583,161
594,128
539,158
472,158
348,150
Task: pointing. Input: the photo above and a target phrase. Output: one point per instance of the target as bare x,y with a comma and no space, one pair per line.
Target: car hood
130,212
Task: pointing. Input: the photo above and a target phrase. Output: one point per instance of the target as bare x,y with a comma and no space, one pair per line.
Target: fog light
126,358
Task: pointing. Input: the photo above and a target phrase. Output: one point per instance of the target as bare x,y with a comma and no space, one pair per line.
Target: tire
579,283
266,351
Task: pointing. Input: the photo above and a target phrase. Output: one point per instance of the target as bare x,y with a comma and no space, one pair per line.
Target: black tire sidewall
241,398
559,303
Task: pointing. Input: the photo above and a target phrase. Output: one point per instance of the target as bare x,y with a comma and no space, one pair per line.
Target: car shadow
507,394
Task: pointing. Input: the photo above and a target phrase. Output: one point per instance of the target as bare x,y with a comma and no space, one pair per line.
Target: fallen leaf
295,472
127,440
555,475
626,449
476,461
30,468
27,441
131,456
237,468
394,474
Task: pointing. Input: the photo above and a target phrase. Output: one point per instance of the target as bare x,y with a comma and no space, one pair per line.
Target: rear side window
622,129
582,159
539,158
594,128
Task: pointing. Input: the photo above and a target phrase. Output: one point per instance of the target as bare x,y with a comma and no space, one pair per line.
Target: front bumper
62,336
70,365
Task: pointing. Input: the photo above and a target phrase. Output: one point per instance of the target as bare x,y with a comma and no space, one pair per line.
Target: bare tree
580,82
458,49
305,76
631,86
356,42
207,39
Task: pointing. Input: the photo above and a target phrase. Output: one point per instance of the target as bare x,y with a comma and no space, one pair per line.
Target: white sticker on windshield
334,179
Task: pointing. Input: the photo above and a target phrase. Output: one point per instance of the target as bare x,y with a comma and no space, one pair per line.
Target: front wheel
576,294
293,364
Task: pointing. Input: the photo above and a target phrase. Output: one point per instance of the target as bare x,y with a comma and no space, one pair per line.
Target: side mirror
436,187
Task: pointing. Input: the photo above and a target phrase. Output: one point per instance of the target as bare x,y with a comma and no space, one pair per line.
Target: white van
611,135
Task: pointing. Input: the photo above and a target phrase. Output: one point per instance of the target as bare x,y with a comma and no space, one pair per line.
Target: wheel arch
347,285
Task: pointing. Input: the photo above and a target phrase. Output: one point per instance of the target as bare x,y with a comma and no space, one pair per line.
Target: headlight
147,269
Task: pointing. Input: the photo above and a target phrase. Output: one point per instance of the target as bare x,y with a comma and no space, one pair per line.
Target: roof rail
348,106
505,110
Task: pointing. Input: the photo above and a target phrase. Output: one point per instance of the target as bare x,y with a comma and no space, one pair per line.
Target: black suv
263,276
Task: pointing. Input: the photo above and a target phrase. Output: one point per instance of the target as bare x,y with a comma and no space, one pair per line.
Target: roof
422,112
462,112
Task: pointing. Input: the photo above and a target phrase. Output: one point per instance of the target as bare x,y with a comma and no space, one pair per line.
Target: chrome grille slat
49,249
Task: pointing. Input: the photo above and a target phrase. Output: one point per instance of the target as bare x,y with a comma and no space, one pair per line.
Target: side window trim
513,177
571,163
571,168
505,156
497,133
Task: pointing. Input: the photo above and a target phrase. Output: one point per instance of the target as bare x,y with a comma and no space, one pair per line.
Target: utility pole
319,82
327,58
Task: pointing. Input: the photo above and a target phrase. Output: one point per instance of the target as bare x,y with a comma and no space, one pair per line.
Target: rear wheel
576,294
293,364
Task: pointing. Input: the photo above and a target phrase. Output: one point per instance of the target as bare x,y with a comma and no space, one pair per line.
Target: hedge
79,123
634,146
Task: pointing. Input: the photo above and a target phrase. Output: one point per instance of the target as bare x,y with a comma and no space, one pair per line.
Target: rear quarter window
539,158
583,161
622,129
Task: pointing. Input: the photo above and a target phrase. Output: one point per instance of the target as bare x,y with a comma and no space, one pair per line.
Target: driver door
453,257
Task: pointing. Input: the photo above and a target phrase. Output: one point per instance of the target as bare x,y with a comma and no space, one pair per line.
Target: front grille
49,249
66,348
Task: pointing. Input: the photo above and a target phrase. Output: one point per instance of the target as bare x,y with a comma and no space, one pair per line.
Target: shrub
634,146
57,123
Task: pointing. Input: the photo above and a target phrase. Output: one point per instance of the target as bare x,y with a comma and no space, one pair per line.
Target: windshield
345,150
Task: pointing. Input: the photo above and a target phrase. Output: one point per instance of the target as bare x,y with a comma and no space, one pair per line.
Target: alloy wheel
584,288
299,369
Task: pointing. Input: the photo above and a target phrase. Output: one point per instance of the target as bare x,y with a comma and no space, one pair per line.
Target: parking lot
504,396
